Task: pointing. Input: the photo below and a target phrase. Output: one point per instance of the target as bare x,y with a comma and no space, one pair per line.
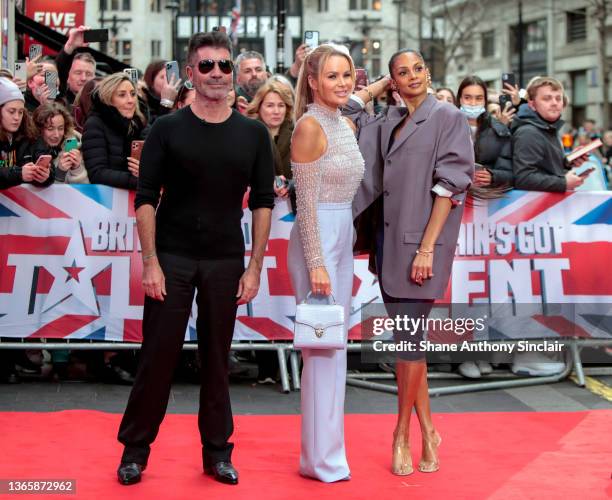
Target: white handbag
319,326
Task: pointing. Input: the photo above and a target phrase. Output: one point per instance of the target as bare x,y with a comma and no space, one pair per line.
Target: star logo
71,280
73,272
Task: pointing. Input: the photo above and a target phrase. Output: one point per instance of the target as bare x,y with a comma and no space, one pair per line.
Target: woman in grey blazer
419,165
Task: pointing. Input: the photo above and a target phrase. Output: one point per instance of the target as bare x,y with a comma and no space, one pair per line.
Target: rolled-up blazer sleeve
454,167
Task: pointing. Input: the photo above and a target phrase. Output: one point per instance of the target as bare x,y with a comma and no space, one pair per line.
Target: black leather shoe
129,472
223,472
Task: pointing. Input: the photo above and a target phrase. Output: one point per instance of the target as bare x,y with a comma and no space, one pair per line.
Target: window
155,5
365,4
155,48
115,5
579,99
576,25
487,44
124,51
126,5
323,5
534,37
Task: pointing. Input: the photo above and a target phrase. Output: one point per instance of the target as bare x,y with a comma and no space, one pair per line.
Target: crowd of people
85,135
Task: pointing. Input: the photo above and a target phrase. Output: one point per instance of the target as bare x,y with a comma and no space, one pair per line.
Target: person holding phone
59,140
16,135
74,68
273,106
159,92
114,122
538,158
491,137
327,169
419,167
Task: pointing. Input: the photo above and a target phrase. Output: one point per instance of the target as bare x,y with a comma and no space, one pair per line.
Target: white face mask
472,111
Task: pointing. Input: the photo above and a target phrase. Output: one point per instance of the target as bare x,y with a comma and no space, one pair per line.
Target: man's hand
75,39
248,286
153,279
573,181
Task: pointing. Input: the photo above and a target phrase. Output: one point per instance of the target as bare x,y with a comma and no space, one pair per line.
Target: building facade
559,39
139,30
373,29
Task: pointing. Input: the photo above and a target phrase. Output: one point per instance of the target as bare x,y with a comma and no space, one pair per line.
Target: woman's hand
482,177
34,66
76,157
41,174
422,268
171,88
283,191
27,172
133,166
241,104
319,281
64,162
507,114
512,92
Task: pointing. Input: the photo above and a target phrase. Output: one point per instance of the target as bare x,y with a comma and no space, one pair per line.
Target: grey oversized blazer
433,148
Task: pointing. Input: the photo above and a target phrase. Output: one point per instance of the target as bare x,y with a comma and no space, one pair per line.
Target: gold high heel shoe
432,446
401,462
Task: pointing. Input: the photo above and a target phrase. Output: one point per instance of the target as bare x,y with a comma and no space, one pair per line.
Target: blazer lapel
394,117
420,115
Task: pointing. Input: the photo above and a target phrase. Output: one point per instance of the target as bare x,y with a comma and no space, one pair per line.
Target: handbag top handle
330,299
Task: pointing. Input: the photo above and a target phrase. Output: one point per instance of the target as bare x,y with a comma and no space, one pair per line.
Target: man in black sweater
204,157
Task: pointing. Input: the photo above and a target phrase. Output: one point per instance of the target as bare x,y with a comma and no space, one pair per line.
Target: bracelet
150,256
369,93
424,252
166,103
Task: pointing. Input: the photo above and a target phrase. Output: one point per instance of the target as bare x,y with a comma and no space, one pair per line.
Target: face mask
472,111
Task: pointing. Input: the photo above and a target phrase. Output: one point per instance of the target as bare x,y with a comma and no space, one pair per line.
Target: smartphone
503,100
100,35
132,73
43,161
478,166
35,50
508,78
21,71
136,149
172,68
361,77
311,39
70,144
51,82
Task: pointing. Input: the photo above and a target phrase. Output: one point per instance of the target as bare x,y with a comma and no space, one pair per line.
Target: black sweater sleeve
152,161
64,63
95,149
262,177
9,177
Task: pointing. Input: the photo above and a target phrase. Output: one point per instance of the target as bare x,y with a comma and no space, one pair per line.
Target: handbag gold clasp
319,332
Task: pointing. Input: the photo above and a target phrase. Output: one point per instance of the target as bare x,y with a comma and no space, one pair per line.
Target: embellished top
332,178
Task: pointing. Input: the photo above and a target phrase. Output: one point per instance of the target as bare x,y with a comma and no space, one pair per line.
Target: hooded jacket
538,160
107,140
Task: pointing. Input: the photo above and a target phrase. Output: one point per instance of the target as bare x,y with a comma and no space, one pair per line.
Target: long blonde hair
313,66
278,88
107,87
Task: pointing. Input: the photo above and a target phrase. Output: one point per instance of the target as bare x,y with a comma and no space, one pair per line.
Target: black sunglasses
205,66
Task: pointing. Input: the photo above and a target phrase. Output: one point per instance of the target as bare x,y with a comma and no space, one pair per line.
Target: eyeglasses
205,66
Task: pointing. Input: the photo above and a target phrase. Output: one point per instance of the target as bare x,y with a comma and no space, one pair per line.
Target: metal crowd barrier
286,352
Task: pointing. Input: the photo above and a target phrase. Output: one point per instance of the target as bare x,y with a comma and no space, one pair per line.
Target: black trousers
163,329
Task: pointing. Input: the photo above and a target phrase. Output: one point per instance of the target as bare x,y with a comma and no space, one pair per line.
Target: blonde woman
273,106
114,122
327,169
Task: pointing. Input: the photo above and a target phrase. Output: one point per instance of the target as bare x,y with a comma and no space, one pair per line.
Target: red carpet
483,455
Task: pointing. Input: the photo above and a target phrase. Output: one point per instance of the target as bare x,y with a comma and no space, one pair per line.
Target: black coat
106,143
154,109
538,159
12,158
493,150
